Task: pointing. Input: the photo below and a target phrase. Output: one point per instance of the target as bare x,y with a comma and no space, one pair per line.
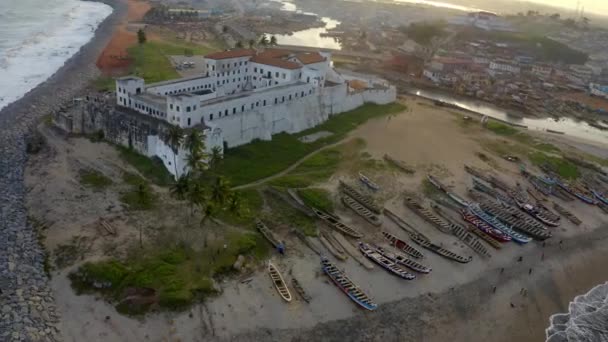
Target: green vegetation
104,83
284,214
152,169
318,198
179,275
315,169
251,206
429,190
151,60
501,129
139,197
132,178
94,179
260,159
562,167
423,32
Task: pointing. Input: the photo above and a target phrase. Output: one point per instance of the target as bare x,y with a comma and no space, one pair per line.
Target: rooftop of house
277,62
151,99
248,93
234,53
310,57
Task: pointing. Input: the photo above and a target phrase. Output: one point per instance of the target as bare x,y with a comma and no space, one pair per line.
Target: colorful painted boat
368,182
347,286
600,196
403,260
402,245
514,218
278,282
336,224
578,193
484,227
384,262
492,221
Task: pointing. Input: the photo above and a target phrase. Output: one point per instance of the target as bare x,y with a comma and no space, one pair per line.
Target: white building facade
248,94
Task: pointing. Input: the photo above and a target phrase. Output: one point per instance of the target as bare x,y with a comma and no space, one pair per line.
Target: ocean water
38,36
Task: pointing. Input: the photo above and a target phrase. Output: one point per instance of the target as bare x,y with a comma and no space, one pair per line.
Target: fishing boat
484,227
403,260
514,219
347,286
279,283
459,200
470,240
267,233
436,183
387,264
440,250
368,182
300,290
537,214
600,196
492,221
578,193
336,224
402,245
427,215
352,250
365,200
332,246
485,237
570,216
362,211
399,164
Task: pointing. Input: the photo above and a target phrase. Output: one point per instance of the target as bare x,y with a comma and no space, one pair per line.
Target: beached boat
484,227
403,260
481,187
387,264
352,250
347,286
495,223
511,218
582,195
362,211
368,182
459,200
485,237
365,200
603,197
267,233
427,215
402,245
537,214
399,164
278,282
336,224
300,290
476,173
332,246
567,214
440,250
470,240
436,183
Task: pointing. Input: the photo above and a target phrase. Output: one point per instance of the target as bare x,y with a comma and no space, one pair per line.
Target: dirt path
290,168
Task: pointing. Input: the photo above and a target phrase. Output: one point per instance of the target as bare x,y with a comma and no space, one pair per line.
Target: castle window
284,76
283,100
243,108
289,97
189,122
257,104
177,108
252,106
188,109
276,74
264,103
171,106
210,117
194,108
226,112
302,94
276,100
234,110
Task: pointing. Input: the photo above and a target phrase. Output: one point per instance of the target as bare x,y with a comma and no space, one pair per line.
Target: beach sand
454,302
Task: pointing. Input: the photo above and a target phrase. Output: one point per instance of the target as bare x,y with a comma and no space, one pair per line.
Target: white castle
249,94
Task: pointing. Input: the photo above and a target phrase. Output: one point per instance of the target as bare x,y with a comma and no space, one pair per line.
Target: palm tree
194,141
195,163
239,45
251,43
196,196
220,192
180,188
273,41
263,40
175,138
235,203
215,159
143,200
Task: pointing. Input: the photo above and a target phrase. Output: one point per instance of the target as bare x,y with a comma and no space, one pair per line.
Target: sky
594,6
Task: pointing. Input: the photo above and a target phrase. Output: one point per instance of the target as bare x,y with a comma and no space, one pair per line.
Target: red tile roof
235,53
310,58
280,63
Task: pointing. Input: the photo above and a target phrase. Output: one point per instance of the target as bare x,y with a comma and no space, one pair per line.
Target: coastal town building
483,20
248,94
504,66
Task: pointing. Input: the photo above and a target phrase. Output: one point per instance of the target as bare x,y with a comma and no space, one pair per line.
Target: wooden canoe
267,233
368,182
336,224
352,250
347,286
362,211
387,264
402,245
365,200
300,290
332,246
403,260
278,282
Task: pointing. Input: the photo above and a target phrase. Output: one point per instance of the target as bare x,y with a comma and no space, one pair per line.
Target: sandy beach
456,301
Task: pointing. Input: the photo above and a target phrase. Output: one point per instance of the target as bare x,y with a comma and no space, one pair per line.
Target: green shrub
562,167
94,179
501,129
318,198
152,168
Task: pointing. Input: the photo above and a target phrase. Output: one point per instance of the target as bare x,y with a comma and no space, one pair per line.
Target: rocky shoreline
27,308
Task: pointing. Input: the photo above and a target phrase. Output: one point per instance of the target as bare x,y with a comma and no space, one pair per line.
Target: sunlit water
309,37
579,129
441,4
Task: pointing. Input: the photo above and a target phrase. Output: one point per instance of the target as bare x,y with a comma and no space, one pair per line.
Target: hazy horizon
591,6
